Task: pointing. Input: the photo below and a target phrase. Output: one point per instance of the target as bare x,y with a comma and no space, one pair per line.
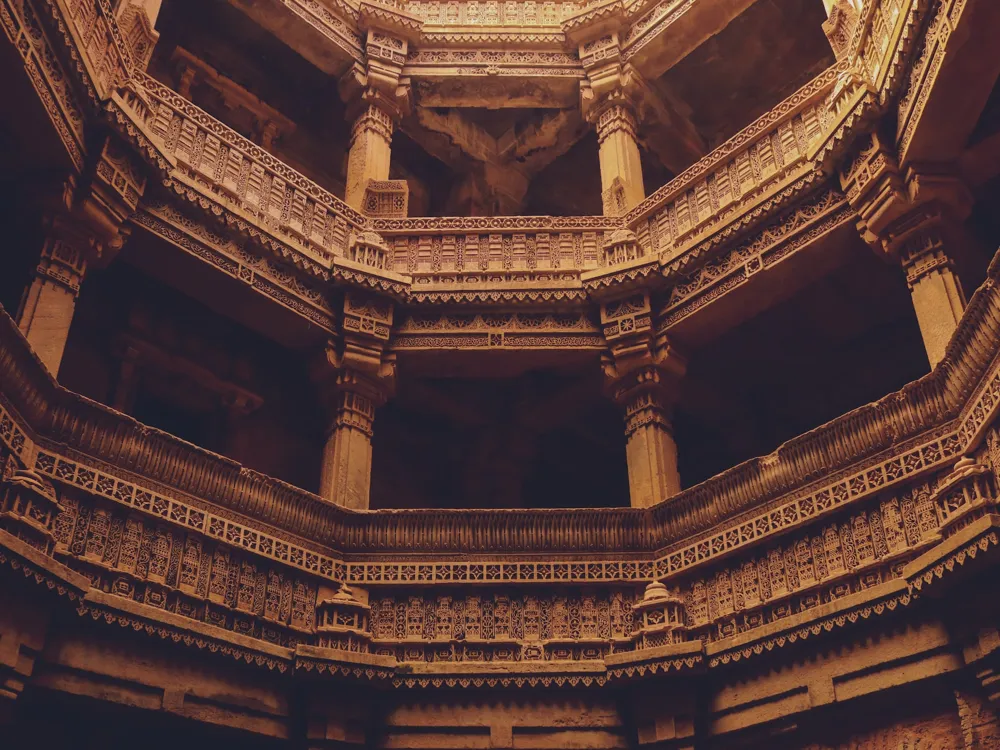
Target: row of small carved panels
186,516
883,18
266,627
771,246
862,541
819,503
127,548
488,652
601,616
496,251
743,178
799,510
101,44
577,322
493,12
735,623
261,185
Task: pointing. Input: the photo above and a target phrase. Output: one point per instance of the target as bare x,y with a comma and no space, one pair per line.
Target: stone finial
660,617
342,622
29,506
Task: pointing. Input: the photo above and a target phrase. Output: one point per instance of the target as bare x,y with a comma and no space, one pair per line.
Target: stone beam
673,34
328,47
949,93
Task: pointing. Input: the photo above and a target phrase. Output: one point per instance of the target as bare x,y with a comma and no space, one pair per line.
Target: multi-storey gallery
457,374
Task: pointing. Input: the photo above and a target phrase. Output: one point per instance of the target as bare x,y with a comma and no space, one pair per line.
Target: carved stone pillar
371,140
377,96
84,229
609,99
621,169
934,288
347,455
912,217
357,377
49,303
644,373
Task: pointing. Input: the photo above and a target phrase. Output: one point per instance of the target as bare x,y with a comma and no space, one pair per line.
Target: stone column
911,217
643,373
377,96
650,448
356,377
936,292
47,307
621,170
347,455
371,140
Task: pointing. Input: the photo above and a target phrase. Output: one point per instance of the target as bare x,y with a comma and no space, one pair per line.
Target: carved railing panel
439,249
736,178
214,161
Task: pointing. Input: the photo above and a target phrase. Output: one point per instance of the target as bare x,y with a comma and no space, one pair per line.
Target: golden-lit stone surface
456,374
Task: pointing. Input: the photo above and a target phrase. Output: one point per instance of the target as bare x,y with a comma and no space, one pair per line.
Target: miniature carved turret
659,617
342,622
964,496
28,508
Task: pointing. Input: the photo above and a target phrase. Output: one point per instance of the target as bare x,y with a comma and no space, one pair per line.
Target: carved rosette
28,509
659,617
342,622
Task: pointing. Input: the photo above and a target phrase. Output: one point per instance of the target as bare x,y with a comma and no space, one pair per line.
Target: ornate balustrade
846,517
921,429
215,162
740,182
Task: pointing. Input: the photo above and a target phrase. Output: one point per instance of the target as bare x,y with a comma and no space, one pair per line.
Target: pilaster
356,376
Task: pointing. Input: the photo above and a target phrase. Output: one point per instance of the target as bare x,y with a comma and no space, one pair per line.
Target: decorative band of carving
646,409
375,121
354,411
63,264
616,118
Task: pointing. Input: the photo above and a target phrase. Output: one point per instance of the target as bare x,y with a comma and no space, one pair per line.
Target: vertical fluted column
914,218
49,303
643,372
650,448
377,98
356,376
